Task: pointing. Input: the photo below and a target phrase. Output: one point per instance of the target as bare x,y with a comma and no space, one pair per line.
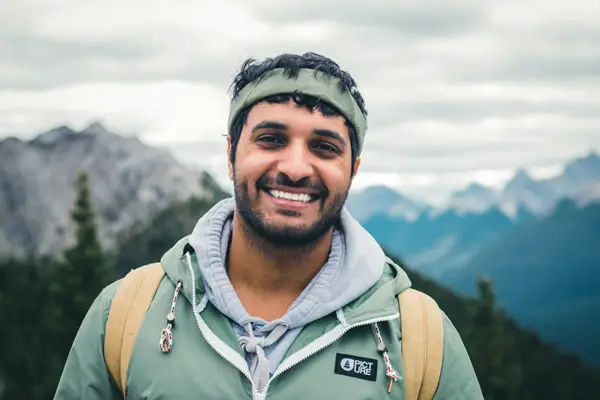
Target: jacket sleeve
457,378
85,375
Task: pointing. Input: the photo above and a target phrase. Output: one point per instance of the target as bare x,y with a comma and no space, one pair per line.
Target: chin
289,234
289,238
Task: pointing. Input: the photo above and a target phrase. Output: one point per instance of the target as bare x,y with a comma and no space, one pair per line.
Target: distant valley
546,274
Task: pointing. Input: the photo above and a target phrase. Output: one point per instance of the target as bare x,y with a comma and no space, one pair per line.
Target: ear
356,165
229,165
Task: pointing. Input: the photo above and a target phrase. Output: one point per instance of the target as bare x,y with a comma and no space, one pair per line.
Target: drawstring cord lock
166,336
390,372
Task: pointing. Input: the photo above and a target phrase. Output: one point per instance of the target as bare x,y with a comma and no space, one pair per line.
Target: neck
268,278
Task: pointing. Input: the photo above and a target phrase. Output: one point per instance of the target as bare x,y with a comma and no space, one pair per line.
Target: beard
288,236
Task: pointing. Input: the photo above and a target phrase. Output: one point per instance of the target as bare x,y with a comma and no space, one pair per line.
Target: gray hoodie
355,263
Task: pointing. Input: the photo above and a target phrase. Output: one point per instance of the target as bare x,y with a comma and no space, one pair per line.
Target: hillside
511,362
546,275
536,363
130,183
153,238
437,243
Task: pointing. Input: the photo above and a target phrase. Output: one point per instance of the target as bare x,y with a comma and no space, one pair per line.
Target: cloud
158,111
74,42
426,18
456,90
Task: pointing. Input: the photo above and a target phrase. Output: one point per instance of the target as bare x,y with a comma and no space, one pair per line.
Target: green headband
309,82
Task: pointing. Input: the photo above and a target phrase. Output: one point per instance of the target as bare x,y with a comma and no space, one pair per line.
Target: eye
269,140
326,148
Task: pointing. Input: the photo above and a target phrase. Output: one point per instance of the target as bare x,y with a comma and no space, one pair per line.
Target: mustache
283,180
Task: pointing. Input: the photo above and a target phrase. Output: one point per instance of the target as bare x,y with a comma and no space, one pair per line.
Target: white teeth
305,198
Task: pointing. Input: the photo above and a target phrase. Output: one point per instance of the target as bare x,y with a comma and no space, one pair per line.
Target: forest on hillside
43,303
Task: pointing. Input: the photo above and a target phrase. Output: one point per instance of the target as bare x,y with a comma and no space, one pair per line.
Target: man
286,285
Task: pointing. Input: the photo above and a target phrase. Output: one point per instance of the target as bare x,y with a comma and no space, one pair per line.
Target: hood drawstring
390,372
166,336
254,344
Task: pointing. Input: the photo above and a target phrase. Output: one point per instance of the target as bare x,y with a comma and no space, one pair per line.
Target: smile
299,197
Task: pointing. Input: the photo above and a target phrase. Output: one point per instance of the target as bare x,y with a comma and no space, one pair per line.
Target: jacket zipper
323,342
205,332
215,347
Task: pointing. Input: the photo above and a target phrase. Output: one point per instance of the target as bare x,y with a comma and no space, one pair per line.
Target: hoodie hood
355,264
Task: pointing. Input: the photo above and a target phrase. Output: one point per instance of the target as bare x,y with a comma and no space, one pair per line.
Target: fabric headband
309,82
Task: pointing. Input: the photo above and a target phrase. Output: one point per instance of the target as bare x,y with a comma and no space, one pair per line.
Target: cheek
248,170
337,179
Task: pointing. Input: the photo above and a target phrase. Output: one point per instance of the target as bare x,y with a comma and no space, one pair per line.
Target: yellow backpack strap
422,344
127,312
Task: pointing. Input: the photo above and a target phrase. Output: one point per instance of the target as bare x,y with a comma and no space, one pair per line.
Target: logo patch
356,367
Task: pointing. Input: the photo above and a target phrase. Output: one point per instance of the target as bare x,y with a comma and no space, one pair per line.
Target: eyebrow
270,125
330,134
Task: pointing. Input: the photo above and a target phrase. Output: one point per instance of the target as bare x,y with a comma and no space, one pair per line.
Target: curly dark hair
252,70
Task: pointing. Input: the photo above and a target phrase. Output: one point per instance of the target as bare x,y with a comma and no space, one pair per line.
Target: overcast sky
457,91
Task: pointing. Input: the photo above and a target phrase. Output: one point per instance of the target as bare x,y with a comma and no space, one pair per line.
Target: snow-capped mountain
522,191
579,178
521,195
375,200
474,198
129,182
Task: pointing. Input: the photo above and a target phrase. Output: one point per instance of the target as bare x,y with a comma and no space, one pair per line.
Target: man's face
292,172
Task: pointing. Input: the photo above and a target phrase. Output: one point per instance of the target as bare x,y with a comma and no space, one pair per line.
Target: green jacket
206,361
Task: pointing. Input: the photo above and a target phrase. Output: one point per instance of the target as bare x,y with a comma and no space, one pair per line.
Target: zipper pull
390,385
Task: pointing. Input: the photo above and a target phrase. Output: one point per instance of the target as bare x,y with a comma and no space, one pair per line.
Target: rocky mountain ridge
578,181
130,181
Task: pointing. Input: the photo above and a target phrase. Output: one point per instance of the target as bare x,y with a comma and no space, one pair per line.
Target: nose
296,163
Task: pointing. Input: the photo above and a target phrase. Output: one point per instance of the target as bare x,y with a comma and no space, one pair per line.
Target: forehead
297,120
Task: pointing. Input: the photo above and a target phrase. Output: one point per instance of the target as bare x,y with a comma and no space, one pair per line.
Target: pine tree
500,377
87,255
80,275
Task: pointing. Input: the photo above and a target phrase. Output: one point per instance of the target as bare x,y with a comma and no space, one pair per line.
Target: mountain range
130,182
433,244
545,269
579,180
439,239
542,257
